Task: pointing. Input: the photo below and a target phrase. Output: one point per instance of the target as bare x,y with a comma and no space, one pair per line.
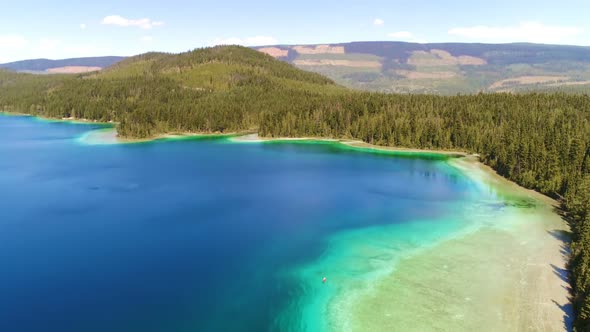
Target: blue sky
60,29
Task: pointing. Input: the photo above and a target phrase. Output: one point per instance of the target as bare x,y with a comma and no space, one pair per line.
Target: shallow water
206,234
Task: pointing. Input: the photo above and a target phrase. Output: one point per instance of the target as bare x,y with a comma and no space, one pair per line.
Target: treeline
147,106
541,141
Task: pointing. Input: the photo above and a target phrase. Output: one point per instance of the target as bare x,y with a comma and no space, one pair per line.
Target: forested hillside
541,141
221,89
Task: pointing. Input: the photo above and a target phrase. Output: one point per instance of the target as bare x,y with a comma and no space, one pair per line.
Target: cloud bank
143,23
533,32
401,35
378,22
10,42
248,41
407,36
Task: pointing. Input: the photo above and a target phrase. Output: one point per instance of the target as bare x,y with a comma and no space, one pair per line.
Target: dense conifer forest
540,141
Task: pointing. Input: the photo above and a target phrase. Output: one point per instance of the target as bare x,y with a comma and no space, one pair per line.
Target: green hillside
445,68
221,89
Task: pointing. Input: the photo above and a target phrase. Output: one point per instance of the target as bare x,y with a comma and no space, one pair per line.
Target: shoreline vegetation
541,141
359,145
109,136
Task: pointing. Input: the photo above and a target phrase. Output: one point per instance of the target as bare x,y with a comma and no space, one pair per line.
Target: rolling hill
220,89
444,68
66,66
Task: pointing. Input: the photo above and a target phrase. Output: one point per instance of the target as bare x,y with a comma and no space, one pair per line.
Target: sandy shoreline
109,136
472,167
508,275
492,280
541,237
254,138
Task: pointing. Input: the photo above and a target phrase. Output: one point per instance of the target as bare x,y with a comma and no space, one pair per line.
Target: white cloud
407,36
83,50
378,22
11,42
146,39
249,41
83,26
47,45
143,23
15,48
524,32
401,35
60,49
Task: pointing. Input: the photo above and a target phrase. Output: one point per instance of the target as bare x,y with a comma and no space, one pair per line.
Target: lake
209,234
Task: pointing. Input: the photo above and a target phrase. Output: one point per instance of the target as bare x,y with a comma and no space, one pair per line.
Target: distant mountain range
74,65
445,68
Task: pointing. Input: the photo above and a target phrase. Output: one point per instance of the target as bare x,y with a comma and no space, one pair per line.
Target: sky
64,29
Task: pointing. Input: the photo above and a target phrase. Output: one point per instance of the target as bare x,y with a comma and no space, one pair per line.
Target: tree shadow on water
568,315
563,274
565,238
567,308
561,235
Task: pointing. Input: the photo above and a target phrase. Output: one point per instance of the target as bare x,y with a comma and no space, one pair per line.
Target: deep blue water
188,235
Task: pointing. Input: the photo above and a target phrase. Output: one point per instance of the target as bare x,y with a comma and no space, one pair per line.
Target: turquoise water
206,234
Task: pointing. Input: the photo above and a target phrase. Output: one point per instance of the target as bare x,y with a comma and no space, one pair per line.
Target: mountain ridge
443,68
402,67
43,64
